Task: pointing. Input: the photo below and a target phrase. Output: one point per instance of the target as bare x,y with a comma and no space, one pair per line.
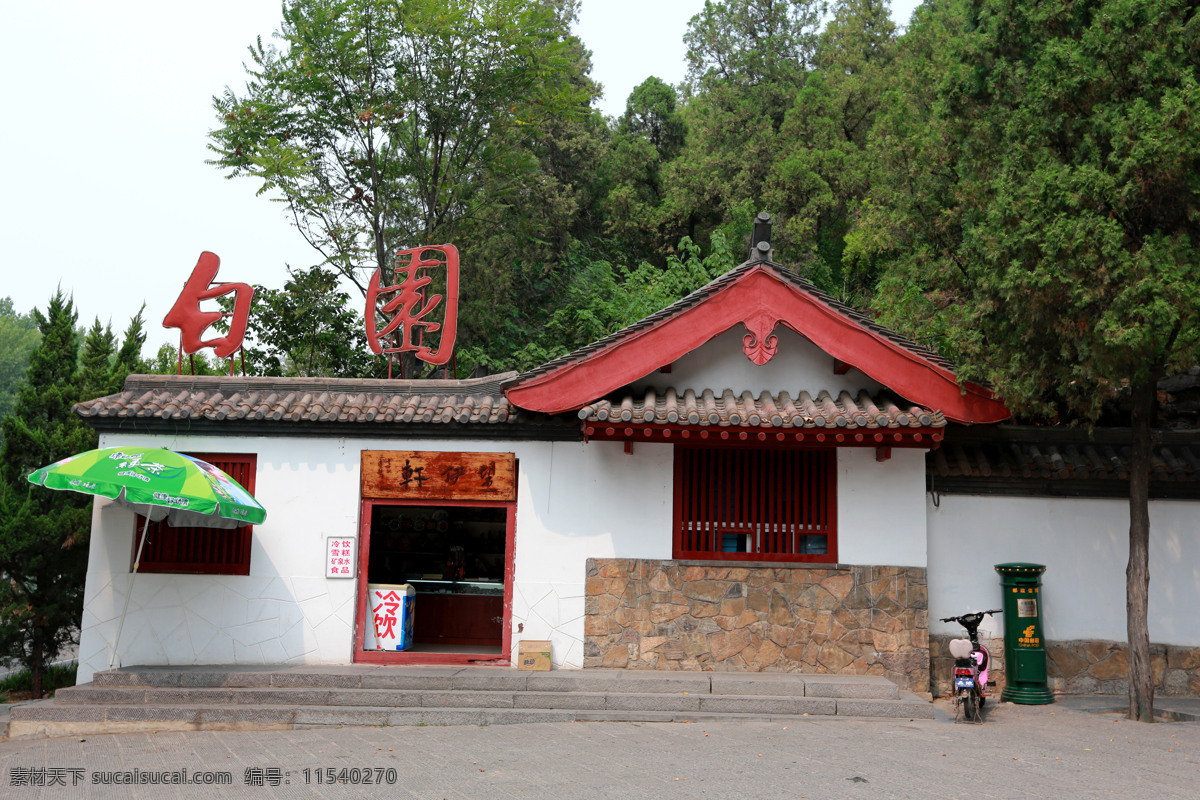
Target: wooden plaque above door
434,475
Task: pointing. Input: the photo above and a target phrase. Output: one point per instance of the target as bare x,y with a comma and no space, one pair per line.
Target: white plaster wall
799,365
881,507
284,611
1084,544
586,501
574,501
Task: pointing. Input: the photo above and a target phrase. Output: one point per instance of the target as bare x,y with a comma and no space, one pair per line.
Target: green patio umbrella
159,484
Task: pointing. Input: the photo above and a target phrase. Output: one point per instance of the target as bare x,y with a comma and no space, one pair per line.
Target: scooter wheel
971,705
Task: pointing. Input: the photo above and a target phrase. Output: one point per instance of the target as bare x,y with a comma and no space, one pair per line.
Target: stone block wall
683,615
1094,667
1084,667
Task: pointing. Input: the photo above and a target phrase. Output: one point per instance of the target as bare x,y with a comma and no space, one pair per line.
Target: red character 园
405,306
192,321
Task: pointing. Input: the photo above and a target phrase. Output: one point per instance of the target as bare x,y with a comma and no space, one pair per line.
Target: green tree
592,297
43,534
523,229
1038,200
95,361
18,337
166,361
821,175
648,136
103,366
128,359
307,329
751,42
378,122
747,59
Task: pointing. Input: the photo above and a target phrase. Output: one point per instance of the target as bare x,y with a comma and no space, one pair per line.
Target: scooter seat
960,648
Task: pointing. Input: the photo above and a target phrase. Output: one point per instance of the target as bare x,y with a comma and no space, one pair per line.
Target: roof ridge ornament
760,238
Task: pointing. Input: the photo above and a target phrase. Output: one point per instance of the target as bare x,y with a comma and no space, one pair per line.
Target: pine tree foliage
43,534
95,367
18,337
128,359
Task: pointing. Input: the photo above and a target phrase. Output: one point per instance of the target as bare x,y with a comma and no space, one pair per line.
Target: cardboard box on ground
533,654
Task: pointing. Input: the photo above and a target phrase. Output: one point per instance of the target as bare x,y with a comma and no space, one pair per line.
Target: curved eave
756,294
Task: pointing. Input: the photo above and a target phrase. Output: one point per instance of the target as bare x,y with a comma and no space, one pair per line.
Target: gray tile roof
323,400
726,409
1014,459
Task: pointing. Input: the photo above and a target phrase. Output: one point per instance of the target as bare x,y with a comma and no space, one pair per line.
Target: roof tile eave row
766,410
301,407
1055,461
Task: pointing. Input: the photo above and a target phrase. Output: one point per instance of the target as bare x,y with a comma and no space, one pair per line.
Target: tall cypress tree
95,369
129,356
43,534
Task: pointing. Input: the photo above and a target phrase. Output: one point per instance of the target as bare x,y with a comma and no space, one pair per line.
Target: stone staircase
284,698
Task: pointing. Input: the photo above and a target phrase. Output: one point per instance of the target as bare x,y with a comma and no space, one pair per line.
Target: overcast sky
107,110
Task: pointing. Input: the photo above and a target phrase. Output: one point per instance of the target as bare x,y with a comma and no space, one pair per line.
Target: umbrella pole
133,576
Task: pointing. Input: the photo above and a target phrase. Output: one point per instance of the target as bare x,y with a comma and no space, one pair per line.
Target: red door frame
361,656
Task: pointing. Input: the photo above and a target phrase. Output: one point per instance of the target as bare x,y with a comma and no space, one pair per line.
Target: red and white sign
390,617
339,557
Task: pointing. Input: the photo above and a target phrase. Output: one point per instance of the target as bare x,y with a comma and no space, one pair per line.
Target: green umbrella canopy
158,483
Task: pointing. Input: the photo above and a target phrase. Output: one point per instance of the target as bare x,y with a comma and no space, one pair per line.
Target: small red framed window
755,505
201,551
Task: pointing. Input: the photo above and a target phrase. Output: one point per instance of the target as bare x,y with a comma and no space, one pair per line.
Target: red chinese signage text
385,618
192,321
400,315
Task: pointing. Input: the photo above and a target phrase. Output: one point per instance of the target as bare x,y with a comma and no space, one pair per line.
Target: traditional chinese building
754,478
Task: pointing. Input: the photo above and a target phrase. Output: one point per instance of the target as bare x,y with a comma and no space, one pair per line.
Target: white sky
108,104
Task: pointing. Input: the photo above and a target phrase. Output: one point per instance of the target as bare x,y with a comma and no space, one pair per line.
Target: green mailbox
1024,644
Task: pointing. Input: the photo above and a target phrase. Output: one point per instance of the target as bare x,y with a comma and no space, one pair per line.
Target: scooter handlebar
956,619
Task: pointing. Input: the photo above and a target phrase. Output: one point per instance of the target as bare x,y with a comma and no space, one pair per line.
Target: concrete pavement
1020,752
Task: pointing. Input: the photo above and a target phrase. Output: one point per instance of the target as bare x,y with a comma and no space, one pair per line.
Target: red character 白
192,321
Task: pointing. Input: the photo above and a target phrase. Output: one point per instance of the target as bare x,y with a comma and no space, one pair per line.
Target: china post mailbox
1024,644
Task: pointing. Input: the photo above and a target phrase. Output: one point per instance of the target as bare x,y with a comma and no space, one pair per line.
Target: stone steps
211,698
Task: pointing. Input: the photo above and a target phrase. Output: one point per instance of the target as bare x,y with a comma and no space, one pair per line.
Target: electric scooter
971,660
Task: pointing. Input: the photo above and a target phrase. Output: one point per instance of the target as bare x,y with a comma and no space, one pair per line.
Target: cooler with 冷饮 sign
389,616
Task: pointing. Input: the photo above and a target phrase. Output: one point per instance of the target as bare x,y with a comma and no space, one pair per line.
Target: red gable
759,295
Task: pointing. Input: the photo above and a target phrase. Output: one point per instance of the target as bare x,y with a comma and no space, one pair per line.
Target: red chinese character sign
391,609
193,321
339,557
403,315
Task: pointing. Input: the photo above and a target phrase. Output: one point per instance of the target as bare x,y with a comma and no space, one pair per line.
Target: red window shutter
201,551
755,505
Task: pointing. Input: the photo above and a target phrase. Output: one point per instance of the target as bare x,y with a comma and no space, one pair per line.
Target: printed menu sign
339,557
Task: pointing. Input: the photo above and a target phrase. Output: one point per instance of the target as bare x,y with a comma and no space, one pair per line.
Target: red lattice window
755,505
201,551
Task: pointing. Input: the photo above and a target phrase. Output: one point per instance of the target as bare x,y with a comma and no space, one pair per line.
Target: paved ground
1020,752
